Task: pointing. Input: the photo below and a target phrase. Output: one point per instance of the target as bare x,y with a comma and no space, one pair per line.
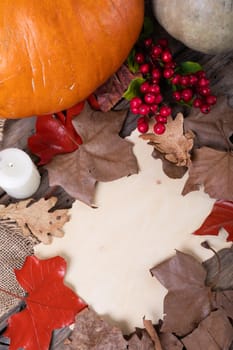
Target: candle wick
11,165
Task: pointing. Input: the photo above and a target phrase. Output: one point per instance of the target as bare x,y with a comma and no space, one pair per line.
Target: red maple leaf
221,216
49,304
55,134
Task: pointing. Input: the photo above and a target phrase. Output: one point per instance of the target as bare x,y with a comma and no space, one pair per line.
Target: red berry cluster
156,65
194,88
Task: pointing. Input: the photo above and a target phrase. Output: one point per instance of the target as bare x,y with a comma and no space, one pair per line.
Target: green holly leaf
133,88
148,28
189,67
132,65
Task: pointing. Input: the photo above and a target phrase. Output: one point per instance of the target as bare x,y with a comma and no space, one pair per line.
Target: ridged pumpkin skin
203,25
54,53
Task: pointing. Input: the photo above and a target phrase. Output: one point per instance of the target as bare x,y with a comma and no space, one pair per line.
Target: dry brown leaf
174,143
170,169
112,90
188,300
214,170
93,333
103,156
215,129
213,333
140,341
152,333
36,219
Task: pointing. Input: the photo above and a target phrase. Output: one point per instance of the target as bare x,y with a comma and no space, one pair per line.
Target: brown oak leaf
188,300
213,333
214,170
174,143
36,219
93,333
215,129
103,156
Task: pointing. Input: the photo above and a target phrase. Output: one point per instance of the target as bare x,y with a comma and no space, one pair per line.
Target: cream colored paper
139,222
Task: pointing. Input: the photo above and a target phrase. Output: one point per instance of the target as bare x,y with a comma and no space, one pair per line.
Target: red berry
156,51
166,56
144,109
201,74
135,102
168,73
134,110
159,128
158,99
156,73
203,82
155,81
154,88
211,99
187,94
143,127
170,65
175,79
145,68
177,95
165,111
141,120
197,102
154,108
139,58
144,87
160,119
148,42
192,79
163,42
149,98
184,80
204,90
205,109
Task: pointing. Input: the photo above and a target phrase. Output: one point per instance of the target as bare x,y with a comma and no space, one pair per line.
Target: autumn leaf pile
201,144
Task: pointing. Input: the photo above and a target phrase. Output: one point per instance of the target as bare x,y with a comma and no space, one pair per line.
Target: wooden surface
219,69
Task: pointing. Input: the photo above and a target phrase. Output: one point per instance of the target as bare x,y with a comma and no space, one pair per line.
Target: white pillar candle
18,175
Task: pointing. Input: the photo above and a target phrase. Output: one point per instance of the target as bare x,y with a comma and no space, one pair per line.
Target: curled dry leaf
213,333
214,170
103,155
36,219
173,143
188,300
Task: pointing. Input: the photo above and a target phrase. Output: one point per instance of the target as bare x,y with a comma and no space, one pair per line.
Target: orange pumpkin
54,53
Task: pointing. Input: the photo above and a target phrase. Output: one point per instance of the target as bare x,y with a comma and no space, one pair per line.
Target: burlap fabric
14,248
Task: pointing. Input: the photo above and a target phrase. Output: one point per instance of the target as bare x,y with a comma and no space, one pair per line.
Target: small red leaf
55,134
49,305
221,216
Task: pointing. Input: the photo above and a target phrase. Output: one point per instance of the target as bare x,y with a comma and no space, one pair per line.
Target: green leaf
190,67
148,28
133,66
133,88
